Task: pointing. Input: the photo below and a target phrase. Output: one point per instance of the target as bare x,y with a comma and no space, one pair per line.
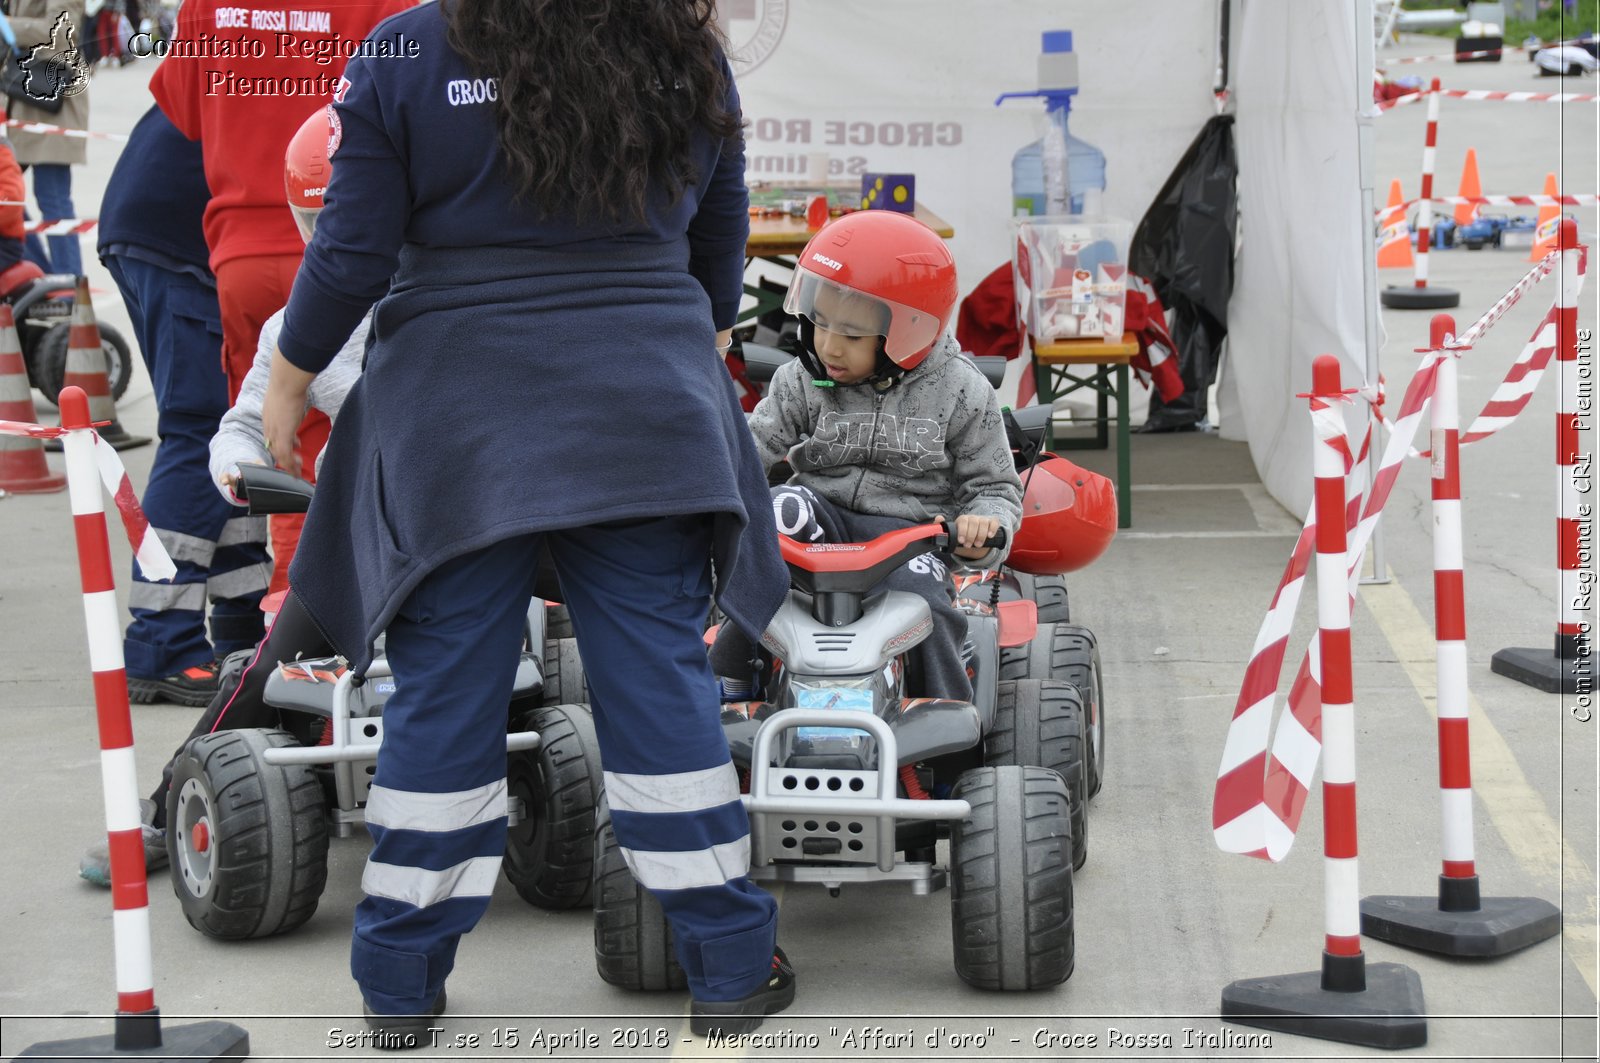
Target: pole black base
1388,1013
1543,670
1498,925
1430,298
195,1043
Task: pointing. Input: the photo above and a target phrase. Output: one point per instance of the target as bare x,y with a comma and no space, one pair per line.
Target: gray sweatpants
936,668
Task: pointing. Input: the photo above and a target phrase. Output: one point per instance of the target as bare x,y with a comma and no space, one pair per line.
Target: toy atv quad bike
850,780
250,811
42,304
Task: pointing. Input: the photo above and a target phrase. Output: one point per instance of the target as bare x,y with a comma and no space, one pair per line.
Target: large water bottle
1038,169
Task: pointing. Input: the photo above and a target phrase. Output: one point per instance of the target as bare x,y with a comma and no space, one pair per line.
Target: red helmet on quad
1069,516
890,258
307,166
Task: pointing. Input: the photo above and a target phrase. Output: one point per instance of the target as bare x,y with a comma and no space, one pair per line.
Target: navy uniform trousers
638,593
220,553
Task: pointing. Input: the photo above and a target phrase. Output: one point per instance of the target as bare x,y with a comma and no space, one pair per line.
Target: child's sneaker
95,866
193,686
746,1013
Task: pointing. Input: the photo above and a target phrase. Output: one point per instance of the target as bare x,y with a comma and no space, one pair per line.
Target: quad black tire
1082,669
51,359
1070,653
1011,879
1049,593
1040,723
564,682
550,852
633,945
247,840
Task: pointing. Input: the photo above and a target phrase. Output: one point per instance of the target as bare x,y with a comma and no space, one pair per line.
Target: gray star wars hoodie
931,445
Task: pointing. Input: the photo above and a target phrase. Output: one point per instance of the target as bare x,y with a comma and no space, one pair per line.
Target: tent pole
1366,135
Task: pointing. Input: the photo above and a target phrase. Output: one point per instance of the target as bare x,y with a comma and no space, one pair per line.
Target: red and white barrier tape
1481,94
61,226
61,131
1265,774
1442,58
1581,200
147,549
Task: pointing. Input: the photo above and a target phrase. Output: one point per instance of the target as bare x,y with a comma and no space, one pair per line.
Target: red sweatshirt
241,77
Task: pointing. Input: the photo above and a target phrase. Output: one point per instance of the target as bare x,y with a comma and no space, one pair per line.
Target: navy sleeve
721,227
359,232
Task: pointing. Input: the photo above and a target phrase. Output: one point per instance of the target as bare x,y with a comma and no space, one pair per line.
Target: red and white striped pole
138,1023
1343,966
1458,921
1569,620
137,1029
1348,999
1567,670
1458,886
1420,296
1425,207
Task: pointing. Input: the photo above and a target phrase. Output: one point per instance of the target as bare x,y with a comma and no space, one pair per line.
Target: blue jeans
52,189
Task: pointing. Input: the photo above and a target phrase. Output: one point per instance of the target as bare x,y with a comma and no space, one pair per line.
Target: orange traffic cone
1394,236
22,465
86,368
1467,213
1544,237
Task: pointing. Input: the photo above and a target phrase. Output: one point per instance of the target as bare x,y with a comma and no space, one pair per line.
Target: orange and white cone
1394,236
22,464
86,368
1544,237
1467,213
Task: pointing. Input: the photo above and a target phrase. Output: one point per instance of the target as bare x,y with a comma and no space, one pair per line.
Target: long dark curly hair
598,99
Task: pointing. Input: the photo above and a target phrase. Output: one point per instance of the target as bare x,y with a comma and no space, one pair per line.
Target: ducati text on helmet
889,259
308,166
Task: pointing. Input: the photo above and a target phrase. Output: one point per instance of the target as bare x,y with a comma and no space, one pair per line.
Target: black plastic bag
1184,248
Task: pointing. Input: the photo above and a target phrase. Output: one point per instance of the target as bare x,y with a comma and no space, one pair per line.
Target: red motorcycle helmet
307,166
1069,517
890,258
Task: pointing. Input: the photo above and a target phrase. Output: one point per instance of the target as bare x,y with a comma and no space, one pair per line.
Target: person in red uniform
239,78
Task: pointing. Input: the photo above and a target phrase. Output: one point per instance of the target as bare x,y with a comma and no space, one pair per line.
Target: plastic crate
1071,276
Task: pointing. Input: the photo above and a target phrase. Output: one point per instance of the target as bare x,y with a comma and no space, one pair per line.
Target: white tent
908,86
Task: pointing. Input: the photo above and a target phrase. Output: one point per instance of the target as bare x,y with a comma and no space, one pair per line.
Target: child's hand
230,479
972,531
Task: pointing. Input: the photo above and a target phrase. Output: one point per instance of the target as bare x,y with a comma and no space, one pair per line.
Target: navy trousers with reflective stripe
220,552
638,594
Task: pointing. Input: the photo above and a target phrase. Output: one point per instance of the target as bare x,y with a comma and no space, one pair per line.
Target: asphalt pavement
1163,919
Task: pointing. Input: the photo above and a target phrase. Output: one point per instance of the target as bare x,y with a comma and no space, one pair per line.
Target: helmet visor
848,311
305,219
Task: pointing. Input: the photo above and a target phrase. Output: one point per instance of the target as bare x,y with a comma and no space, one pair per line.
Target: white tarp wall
1299,289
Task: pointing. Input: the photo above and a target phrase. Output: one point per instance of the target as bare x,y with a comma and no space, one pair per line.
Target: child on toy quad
885,424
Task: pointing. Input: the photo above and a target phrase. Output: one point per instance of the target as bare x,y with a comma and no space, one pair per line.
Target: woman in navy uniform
549,201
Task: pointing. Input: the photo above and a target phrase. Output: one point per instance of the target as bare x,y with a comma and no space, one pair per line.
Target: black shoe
193,686
395,1033
745,1014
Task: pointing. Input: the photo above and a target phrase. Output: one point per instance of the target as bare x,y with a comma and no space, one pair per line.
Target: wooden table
1107,376
780,239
